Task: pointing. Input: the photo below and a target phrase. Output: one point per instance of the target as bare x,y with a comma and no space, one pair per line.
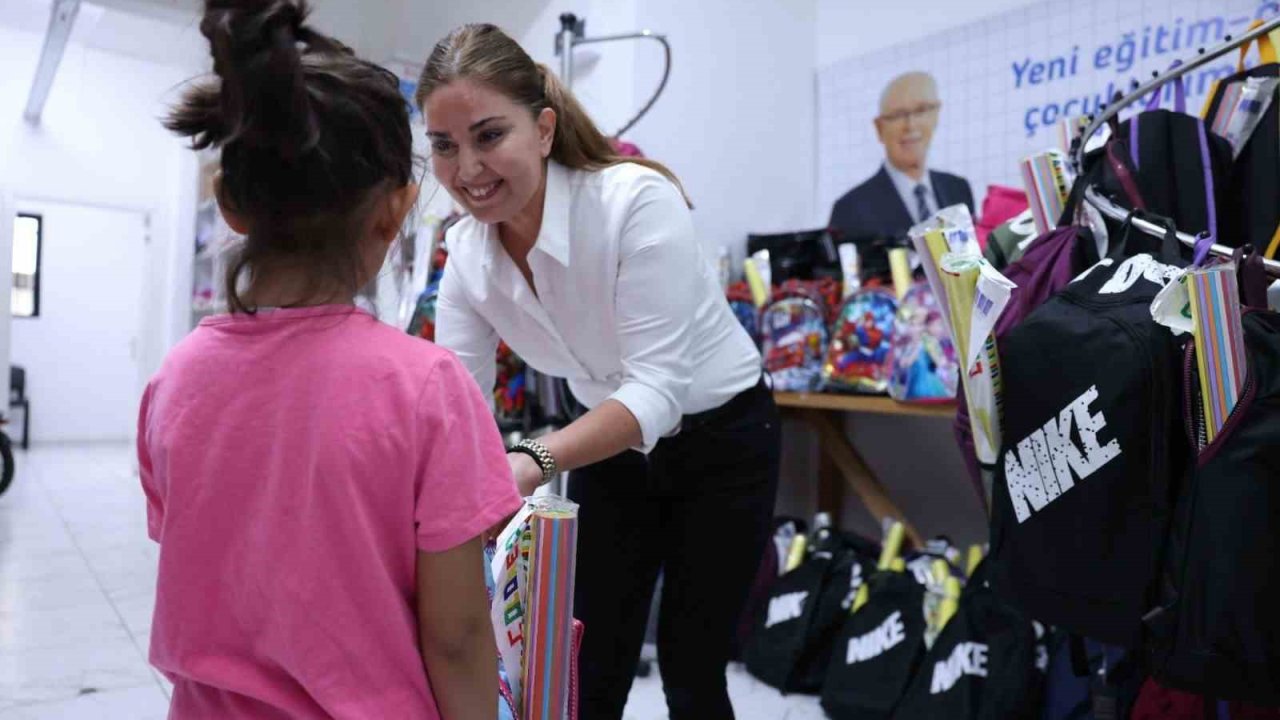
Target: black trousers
699,509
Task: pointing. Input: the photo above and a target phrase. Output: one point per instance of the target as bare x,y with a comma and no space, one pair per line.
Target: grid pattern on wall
983,128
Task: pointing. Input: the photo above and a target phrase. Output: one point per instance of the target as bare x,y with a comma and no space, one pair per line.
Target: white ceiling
161,31
165,31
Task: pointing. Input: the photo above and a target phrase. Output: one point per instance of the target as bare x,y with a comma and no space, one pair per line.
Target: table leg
830,488
835,445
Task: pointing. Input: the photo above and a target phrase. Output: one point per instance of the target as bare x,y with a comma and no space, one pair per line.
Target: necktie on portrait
922,205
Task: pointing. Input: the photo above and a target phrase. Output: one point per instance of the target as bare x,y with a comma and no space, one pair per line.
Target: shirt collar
906,186
553,236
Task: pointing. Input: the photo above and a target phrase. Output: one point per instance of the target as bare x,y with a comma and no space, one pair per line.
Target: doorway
81,349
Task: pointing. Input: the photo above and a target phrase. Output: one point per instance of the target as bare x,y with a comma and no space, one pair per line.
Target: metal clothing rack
573,33
1105,205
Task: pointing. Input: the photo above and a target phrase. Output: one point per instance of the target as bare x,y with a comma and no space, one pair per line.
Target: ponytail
578,143
485,53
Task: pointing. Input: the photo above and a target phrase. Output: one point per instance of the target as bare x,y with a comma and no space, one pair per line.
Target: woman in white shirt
586,265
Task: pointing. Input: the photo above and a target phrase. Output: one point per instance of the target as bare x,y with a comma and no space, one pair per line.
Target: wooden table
841,464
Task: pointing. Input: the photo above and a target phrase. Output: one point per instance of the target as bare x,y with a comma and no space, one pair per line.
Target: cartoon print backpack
825,292
423,322
922,356
861,337
794,336
509,387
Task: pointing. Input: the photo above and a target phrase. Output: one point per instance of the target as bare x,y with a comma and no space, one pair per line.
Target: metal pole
564,45
1156,83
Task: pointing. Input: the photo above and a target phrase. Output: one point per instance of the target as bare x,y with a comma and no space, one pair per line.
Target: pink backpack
999,206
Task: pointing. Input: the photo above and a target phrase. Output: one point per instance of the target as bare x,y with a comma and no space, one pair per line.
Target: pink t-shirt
294,463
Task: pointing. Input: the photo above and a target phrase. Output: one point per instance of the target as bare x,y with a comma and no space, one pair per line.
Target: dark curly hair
311,137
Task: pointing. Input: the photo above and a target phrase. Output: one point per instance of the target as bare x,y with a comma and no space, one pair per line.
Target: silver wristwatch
542,456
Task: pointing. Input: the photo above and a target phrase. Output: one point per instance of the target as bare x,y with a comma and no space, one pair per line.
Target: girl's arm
455,632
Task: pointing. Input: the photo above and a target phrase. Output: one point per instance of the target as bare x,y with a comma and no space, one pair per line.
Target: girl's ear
399,203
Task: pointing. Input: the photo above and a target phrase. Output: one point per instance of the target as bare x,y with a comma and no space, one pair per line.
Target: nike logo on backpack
1045,462
785,608
884,638
966,659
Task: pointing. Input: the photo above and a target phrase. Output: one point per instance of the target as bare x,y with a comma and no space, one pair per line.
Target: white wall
7,211
737,121
100,141
80,352
604,74
854,27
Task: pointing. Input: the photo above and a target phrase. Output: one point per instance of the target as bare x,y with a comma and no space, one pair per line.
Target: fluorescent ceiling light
61,19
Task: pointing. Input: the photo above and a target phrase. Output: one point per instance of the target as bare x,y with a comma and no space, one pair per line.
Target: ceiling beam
178,12
62,17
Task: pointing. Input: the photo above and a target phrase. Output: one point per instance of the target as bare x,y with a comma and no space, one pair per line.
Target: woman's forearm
599,435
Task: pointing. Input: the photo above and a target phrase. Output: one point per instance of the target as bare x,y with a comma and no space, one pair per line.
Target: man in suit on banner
904,191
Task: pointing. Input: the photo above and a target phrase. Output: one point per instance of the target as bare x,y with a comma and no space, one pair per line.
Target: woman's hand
528,475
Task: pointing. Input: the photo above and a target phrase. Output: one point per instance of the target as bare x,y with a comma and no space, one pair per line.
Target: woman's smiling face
486,149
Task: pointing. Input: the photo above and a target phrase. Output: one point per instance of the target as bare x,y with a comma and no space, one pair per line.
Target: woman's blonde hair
484,53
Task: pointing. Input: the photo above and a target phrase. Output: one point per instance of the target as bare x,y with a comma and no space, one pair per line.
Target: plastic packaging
549,627
850,270
861,338
794,343
923,358
759,277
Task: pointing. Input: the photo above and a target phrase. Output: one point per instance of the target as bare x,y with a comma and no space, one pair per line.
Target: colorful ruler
1230,104
1220,354
1047,179
549,629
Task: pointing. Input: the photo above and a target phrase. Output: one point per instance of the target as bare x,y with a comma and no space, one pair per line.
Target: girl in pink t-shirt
318,482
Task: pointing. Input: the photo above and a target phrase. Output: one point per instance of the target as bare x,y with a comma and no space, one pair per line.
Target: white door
81,350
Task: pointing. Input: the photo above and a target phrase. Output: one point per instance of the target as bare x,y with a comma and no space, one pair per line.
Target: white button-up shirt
628,307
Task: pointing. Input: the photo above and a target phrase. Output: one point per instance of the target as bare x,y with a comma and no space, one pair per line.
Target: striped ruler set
1047,178
1220,353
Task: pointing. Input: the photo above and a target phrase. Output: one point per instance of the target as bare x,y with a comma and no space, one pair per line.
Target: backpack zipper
1198,435
1192,407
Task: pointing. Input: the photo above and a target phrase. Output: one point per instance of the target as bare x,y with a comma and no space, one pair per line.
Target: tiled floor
77,586
77,583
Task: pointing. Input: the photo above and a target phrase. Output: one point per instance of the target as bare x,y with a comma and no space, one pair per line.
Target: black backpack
1254,183
988,663
877,651
1170,164
782,623
1217,631
1081,497
848,572
794,630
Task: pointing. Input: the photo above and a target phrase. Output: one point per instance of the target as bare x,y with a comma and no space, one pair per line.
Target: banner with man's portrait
905,130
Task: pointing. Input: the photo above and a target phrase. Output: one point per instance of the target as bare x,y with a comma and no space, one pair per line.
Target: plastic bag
861,337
